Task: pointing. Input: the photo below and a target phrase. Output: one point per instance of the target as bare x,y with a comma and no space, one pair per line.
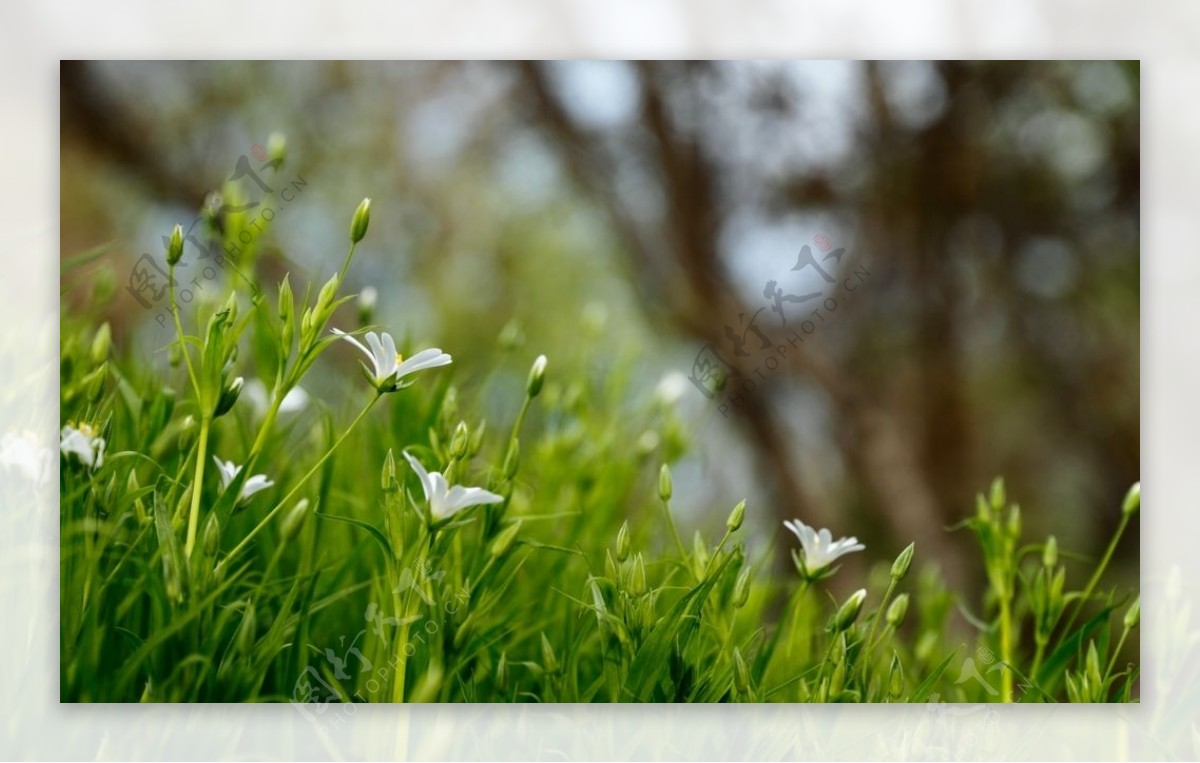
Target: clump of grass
224,546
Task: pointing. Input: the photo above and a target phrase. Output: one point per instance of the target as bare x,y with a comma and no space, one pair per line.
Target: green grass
336,582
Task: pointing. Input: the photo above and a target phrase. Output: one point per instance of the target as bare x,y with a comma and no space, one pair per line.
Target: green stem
869,645
296,488
1006,679
197,487
346,264
1095,579
674,529
1116,652
183,348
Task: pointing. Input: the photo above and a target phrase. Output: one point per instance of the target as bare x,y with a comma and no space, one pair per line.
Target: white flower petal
422,475
460,497
432,358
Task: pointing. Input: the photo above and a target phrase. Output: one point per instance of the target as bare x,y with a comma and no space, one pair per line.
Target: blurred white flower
818,548
228,470
671,388
259,397
388,367
445,500
27,456
83,442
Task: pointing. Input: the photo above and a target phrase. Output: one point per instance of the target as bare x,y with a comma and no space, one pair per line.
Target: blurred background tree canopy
994,205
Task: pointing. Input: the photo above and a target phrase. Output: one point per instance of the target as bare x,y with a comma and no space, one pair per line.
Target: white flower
671,388
229,470
388,367
27,456
445,500
259,398
82,441
819,548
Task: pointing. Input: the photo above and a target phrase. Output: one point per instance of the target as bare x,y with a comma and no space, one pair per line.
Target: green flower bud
637,580
1014,522
93,383
293,522
476,442
505,539
458,443
700,555
903,562
212,535
1050,552
736,517
664,483
248,631
549,660
512,459
229,396
276,149
997,497
837,653
741,589
849,611
897,610
287,312
537,376
101,343
1134,614
741,673
175,246
623,542
1133,499
388,475
895,678
362,218
187,432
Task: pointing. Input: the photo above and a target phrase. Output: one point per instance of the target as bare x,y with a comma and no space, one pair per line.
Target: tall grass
331,579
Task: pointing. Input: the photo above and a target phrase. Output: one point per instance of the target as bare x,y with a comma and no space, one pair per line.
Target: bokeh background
995,207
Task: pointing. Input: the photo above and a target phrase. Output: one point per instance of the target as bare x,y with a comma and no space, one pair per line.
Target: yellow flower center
87,430
399,358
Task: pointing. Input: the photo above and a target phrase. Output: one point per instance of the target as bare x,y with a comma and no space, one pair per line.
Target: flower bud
895,678
623,542
458,443
997,496
741,589
903,562
849,611
700,556
1050,552
476,441
741,673
367,299
287,312
637,580
388,475
736,517
664,483
293,522
229,396
897,610
549,660
1134,615
101,343
187,431
505,539
248,631
537,375
511,337
93,383
512,459
362,218
1133,499
1014,522
175,246
212,535
276,149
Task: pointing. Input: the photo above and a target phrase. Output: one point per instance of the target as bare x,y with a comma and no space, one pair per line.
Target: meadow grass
354,570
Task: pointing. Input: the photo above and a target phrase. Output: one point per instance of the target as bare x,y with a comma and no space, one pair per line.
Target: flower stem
1095,579
296,488
197,487
1006,627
